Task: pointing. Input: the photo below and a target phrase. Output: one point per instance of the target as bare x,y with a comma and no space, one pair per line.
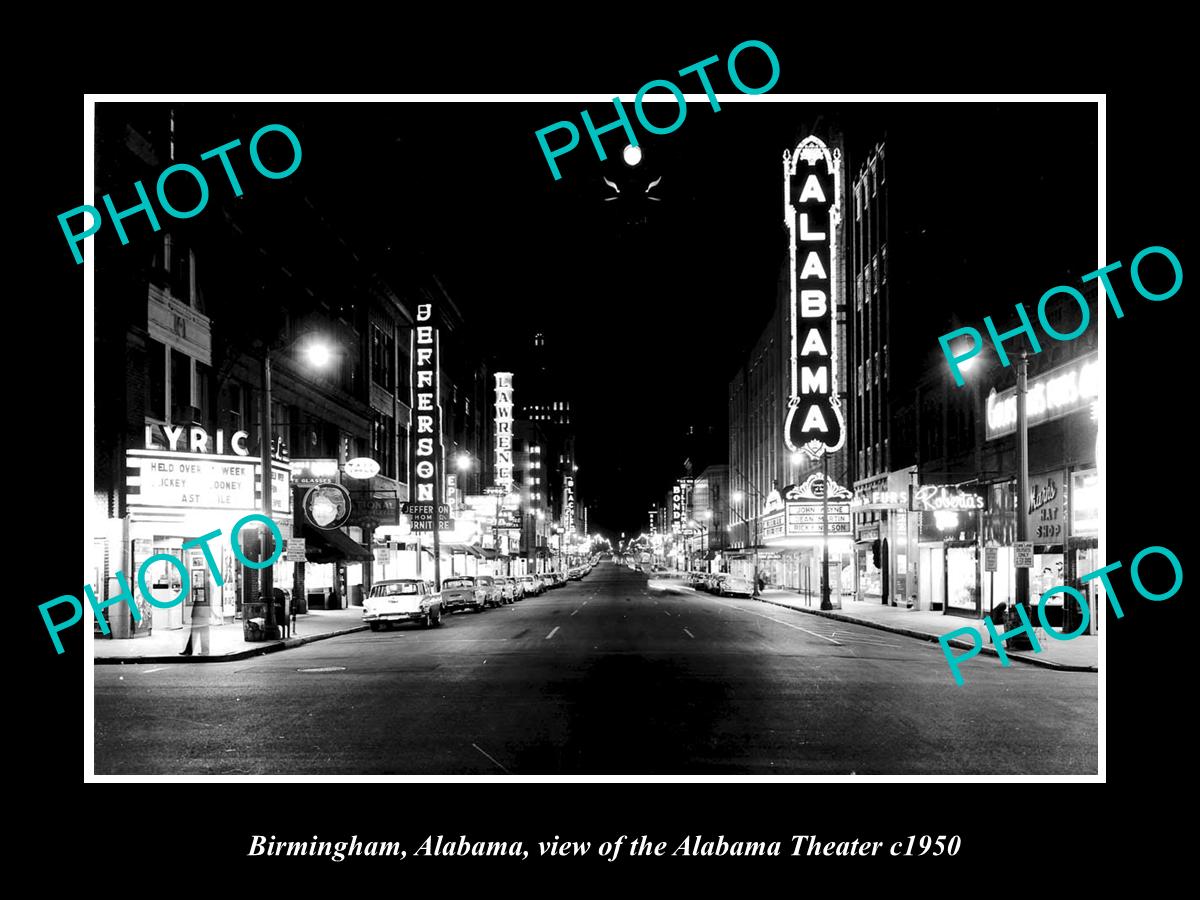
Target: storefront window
962,585
1085,502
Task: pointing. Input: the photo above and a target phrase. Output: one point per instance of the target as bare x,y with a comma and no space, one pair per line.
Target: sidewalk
1077,654
225,641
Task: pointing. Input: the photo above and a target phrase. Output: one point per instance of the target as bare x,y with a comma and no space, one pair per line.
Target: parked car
518,585
697,580
402,600
530,585
488,583
505,590
734,586
464,592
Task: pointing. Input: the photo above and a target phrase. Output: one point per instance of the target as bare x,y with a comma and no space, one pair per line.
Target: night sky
651,319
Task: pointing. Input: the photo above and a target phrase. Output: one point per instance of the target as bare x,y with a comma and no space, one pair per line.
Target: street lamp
318,354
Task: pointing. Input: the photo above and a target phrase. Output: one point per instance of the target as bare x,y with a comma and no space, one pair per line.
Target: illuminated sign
361,468
936,497
310,472
425,452
880,499
569,503
813,488
1046,508
1050,396
774,502
504,429
327,506
202,481
194,439
676,507
812,209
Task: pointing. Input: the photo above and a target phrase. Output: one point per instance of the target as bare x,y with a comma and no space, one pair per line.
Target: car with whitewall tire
399,600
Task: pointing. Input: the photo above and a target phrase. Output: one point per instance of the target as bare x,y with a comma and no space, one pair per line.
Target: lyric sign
812,211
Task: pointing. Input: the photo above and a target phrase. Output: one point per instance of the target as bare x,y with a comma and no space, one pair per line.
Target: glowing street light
632,155
319,354
463,462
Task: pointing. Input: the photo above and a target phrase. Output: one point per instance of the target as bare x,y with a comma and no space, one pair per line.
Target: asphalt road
609,675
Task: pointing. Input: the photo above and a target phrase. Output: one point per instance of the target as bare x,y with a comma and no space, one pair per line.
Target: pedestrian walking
198,627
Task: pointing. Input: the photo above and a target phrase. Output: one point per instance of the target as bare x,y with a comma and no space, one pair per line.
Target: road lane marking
492,758
576,611
781,622
551,634
667,613
158,669
585,603
689,634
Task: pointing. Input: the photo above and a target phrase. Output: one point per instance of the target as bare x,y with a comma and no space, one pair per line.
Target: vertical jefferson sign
812,210
504,425
426,449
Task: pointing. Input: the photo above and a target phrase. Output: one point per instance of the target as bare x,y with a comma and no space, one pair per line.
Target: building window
383,357
181,387
237,407
383,444
200,392
156,383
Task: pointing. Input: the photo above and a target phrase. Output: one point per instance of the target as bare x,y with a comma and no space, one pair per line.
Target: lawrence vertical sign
812,210
504,425
426,448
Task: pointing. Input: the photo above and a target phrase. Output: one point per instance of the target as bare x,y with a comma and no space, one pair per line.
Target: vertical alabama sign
812,209
426,447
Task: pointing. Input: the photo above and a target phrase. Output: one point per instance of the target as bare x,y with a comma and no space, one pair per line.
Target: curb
267,647
926,636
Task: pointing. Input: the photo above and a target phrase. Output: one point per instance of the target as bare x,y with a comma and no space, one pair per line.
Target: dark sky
651,320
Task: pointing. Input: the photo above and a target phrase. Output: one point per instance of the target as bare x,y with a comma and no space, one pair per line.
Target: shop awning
468,549
333,546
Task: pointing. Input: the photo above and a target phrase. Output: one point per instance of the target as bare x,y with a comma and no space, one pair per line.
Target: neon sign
939,497
504,426
1057,393
427,410
814,421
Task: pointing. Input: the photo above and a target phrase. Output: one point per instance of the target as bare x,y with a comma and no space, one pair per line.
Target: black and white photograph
767,444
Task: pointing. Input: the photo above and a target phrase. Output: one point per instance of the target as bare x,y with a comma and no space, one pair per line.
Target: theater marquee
812,210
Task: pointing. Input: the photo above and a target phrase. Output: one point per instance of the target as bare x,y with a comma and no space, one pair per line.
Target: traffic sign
1023,551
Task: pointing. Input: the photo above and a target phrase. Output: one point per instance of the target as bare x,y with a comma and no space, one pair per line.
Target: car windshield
390,590
457,582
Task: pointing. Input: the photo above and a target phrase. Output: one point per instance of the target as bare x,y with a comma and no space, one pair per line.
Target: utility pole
1021,641
825,601
267,573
